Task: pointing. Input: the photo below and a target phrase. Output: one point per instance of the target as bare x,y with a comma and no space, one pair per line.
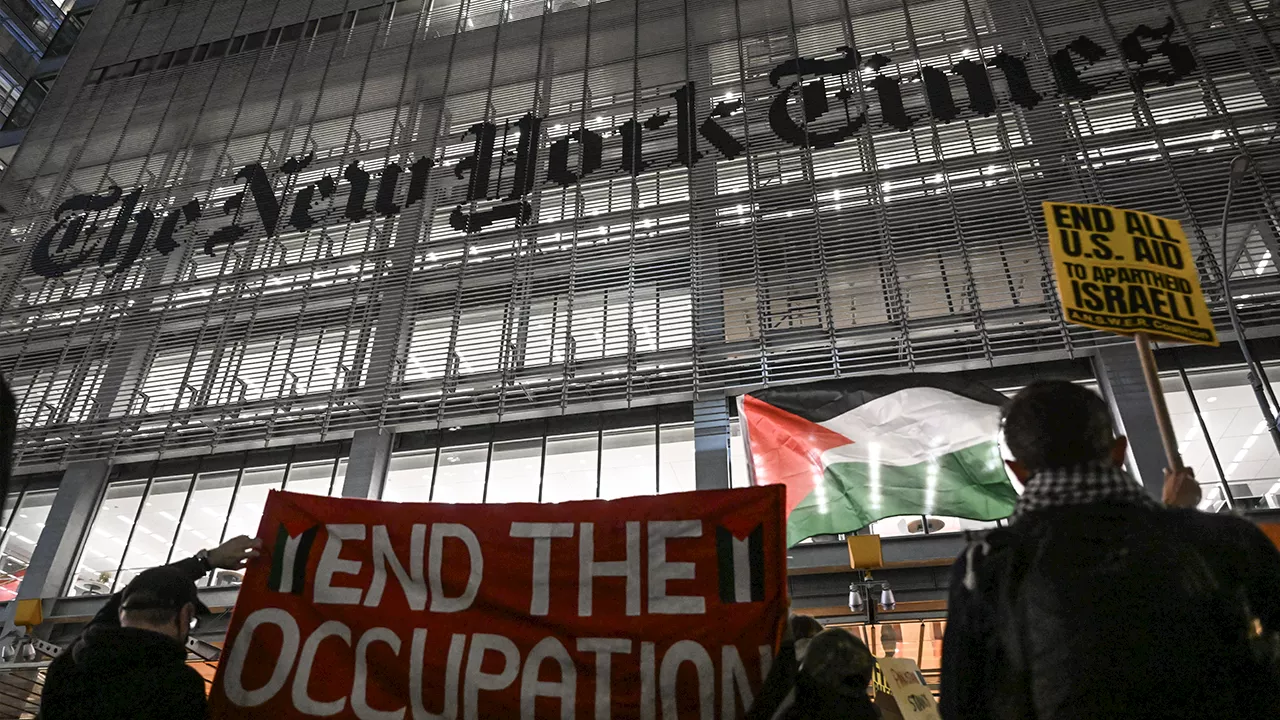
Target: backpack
1109,611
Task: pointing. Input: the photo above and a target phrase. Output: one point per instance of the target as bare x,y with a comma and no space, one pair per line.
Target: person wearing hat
131,660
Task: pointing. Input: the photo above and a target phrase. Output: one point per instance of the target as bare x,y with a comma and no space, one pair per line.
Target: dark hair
150,614
1057,424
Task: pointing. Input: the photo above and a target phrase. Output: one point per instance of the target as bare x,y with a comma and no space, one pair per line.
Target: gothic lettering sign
816,105
629,608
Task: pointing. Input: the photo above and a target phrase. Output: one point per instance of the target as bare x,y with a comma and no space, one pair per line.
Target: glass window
329,24
628,463
180,516
613,463
206,513
368,15
291,32
104,548
26,522
515,471
1235,429
571,468
406,8
254,41
460,474
409,476
251,498
675,458
157,524
904,640
311,478
339,476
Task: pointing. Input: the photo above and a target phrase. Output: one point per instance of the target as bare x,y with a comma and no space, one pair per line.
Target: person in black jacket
1098,602
131,660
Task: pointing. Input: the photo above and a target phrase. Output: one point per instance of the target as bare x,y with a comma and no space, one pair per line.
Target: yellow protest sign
1127,272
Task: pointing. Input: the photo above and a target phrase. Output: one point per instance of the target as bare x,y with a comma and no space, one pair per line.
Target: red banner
667,606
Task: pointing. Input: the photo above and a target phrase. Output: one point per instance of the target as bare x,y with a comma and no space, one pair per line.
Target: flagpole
1151,373
746,440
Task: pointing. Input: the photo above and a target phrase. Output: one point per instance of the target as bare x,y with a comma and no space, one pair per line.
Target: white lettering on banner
449,702
541,533
331,564
233,680
589,568
477,680
531,688
660,687
360,688
301,697
412,582
605,649
661,570
440,603
683,652
733,674
766,661
648,681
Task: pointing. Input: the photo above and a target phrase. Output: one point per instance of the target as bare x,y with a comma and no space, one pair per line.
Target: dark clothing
778,685
999,662
114,672
821,703
193,568
788,694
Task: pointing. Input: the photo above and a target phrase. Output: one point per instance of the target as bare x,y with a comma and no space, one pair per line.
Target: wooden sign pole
1152,375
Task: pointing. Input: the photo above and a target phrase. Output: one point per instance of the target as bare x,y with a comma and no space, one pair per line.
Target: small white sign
914,698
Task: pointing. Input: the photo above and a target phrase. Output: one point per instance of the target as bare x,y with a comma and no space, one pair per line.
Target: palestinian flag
851,452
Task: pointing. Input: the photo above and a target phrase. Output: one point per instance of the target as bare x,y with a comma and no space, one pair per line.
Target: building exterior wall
492,251
240,222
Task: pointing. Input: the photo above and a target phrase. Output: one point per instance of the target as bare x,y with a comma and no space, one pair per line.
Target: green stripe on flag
970,483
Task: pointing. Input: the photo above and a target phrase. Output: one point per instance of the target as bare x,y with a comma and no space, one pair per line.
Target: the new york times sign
832,113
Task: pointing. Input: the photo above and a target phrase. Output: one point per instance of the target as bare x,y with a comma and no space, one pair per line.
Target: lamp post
862,597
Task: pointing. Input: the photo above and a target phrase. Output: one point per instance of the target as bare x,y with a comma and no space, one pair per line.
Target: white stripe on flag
912,426
741,569
287,562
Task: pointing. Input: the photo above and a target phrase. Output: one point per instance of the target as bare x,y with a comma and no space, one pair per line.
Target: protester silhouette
1098,602
130,661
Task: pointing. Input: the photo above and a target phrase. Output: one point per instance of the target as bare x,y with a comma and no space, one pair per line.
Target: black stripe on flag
741,565
289,560
821,401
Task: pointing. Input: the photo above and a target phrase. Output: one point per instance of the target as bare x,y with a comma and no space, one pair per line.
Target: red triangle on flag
786,449
741,526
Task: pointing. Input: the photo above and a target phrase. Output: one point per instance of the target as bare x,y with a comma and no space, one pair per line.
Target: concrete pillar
1120,379
711,443
69,519
367,464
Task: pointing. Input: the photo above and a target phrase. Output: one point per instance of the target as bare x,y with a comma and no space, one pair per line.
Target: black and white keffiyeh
1080,486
